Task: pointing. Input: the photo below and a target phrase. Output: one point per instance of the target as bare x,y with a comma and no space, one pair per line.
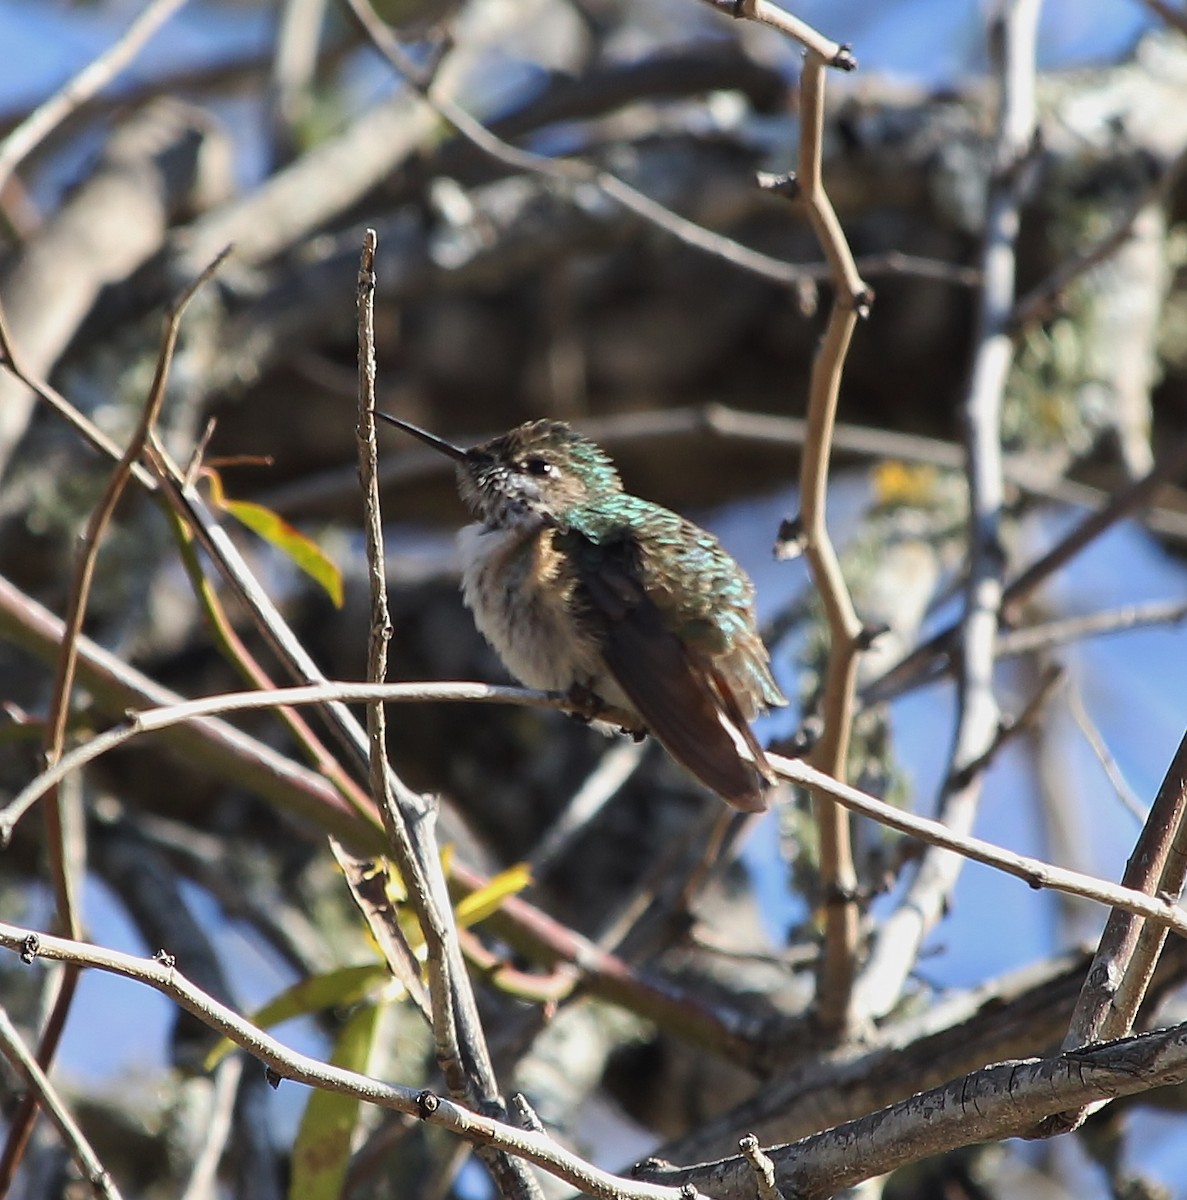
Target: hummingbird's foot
585,705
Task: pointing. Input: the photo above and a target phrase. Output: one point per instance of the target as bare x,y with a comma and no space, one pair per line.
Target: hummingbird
584,589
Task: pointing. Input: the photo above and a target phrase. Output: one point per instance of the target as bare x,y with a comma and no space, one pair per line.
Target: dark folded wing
681,702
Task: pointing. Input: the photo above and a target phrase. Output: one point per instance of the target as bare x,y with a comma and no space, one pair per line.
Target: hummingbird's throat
498,503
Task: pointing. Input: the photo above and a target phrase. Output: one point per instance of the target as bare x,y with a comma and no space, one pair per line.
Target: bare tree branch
1116,982
13,1047
1036,873
162,974
1003,1100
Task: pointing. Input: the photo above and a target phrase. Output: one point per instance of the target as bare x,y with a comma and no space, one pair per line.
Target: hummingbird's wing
686,704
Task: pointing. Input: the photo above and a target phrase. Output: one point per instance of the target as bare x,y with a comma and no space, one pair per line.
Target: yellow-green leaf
333,989
479,905
304,551
321,1152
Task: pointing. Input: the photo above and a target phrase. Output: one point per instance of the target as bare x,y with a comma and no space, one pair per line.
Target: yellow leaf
304,552
333,989
321,1151
479,905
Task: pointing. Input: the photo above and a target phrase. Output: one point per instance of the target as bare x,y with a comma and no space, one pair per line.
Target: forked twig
64,885
851,299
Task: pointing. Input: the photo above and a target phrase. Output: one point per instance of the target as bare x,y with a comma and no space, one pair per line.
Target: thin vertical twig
838,877
444,1025
851,300
1012,39
460,1043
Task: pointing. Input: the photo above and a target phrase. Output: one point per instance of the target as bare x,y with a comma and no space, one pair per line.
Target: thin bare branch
101,516
228,754
1120,505
569,171
233,648
1007,730
851,298
1099,747
13,1047
1174,17
1126,501
294,63
368,883
186,711
1049,634
220,750
90,432
1034,872
719,420
1042,301
604,782
762,1166
161,973
1012,36
829,52
444,1017
462,1052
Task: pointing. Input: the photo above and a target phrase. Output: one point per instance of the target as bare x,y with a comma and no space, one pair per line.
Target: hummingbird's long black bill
430,439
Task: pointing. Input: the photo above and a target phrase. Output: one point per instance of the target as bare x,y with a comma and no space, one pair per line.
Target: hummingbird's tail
690,710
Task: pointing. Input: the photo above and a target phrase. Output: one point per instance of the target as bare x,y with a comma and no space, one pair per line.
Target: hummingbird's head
540,471
537,473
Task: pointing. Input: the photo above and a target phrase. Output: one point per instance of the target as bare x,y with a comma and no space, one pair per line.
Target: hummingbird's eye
538,466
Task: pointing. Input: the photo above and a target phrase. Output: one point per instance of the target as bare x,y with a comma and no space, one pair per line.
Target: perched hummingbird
585,589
